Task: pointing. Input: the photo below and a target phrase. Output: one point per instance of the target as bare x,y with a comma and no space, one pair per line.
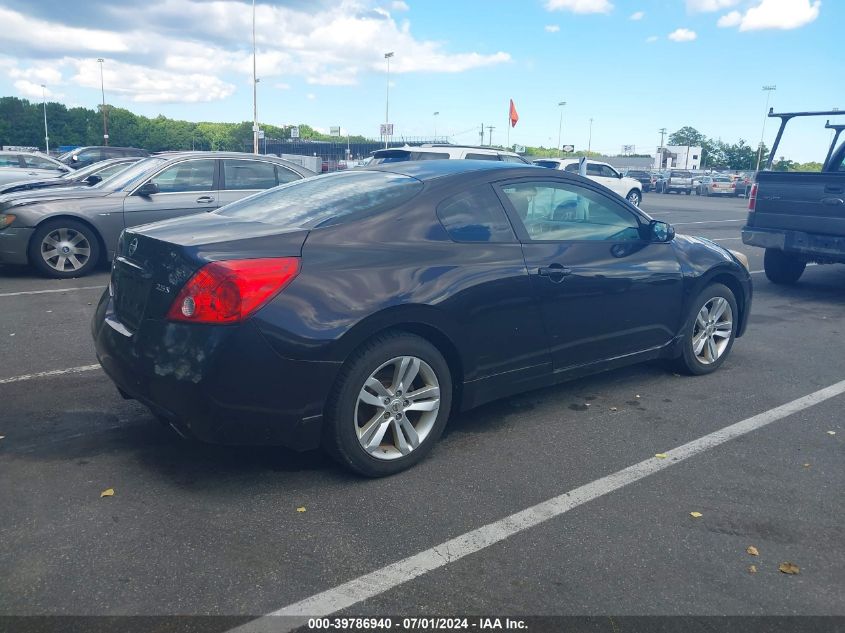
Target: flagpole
509,125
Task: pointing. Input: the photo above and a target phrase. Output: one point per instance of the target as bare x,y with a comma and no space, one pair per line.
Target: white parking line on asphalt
41,292
725,239
706,222
47,374
377,582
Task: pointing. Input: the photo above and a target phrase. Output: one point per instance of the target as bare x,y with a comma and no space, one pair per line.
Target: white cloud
52,36
780,14
651,39
34,91
187,50
579,6
311,96
639,15
282,86
398,5
45,74
734,18
708,6
682,35
149,85
552,28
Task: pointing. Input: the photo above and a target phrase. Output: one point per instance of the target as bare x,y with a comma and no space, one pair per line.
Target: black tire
782,268
634,197
688,362
74,230
340,438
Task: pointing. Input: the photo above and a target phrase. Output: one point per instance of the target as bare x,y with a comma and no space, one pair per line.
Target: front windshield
82,174
131,176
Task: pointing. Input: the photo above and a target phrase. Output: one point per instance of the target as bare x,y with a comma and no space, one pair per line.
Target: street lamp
254,89
46,135
436,114
100,60
768,90
590,141
387,56
560,127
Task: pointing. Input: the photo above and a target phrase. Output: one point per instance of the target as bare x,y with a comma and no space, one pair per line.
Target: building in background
678,157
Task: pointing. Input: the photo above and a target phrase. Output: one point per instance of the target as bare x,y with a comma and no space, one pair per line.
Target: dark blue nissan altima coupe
357,311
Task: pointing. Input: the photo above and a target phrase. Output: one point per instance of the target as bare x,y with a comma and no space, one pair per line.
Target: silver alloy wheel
712,331
65,250
634,197
397,407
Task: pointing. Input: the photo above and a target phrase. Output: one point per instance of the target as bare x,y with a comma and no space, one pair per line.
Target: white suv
443,152
602,173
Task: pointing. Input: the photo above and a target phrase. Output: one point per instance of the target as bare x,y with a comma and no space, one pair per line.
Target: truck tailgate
800,201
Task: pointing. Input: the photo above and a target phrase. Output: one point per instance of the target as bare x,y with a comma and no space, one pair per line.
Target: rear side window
9,160
475,216
481,157
248,174
314,201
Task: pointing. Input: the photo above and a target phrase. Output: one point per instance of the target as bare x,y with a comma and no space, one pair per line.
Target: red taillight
733,185
230,291
752,198
713,185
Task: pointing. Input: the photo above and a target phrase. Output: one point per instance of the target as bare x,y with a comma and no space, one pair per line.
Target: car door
184,187
604,290
241,177
607,176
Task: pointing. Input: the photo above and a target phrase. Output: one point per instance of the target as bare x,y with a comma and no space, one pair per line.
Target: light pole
46,135
387,56
254,89
100,60
590,141
768,90
560,127
436,114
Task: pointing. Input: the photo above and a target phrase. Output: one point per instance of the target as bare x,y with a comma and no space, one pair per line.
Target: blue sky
678,62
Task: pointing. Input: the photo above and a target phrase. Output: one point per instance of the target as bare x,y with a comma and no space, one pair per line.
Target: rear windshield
322,199
401,155
721,179
680,174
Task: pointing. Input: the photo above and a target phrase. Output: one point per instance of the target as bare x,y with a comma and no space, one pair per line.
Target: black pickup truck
799,217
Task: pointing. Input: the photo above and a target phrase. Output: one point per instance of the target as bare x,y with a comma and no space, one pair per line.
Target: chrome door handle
204,199
556,273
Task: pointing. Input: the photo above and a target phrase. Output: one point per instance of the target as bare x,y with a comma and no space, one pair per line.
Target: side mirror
147,189
92,180
75,158
661,231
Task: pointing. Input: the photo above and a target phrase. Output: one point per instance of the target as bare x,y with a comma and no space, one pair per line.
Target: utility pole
100,60
660,149
560,128
768,90
387,56
254,89
481,135
490,129
435,126
46,135
590,141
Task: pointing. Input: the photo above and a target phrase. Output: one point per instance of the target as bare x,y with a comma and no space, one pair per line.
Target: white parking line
706,222
41,292
47,374
381,580
725,239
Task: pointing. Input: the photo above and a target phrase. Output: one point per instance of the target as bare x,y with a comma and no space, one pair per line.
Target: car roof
431,169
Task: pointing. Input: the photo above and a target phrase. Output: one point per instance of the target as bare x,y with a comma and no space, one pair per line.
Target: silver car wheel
712,331
65,250
397,407
634,197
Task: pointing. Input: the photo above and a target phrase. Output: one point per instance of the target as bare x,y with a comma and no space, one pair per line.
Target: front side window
475,216
572,168
9,160
189,175
248,174
513,159
557,212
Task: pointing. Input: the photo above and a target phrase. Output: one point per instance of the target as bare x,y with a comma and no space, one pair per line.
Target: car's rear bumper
14,242
219,384
812,246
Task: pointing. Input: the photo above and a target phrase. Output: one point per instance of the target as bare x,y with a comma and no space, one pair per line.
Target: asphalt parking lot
196,529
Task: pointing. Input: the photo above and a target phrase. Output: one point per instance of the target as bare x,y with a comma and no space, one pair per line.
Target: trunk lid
154,261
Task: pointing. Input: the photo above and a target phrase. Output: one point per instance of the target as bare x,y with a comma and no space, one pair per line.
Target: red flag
514,117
